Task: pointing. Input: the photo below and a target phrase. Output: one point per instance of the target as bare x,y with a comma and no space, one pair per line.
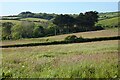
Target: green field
34,19
83,60
108,23
107,15
92,34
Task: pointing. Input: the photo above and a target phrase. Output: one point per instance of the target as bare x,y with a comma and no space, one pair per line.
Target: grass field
83,60
13,21
102,33
109,22
107,15
34,19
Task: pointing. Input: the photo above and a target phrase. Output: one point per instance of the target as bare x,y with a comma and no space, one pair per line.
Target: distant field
27,19
107,15
109,22
34,19
83,60
13,21
92,34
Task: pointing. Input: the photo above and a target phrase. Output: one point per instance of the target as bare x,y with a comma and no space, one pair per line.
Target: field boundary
63,42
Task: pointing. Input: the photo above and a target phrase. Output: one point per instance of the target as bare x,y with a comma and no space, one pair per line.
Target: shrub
71,38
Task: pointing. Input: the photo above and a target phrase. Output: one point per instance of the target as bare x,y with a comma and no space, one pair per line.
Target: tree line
61,24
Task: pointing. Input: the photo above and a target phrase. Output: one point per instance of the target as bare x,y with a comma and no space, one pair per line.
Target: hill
107,15
108,23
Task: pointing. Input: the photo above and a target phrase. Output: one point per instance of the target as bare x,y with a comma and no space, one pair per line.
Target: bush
71,38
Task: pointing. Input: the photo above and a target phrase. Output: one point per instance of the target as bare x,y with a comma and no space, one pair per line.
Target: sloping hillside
107,15
108,23
34,19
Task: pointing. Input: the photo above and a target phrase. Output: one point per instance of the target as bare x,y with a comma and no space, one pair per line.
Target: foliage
6,30
17,31
71,38
38,31
30,27
28,14
86,22
23,30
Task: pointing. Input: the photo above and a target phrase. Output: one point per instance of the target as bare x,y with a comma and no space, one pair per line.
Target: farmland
97,59
109,23
83,60
34,19
93,34
80,60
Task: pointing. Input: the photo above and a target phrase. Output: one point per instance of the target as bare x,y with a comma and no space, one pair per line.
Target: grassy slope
92,34
34,19
107,15
89,60
109,22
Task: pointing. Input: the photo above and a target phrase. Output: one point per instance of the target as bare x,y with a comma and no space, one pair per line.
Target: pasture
108,23
80,60
34,19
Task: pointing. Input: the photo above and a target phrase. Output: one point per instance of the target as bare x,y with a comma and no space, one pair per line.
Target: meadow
80,60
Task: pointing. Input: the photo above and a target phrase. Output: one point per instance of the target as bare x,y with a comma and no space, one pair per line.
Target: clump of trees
6,30
61,24
28,14
23,30
83,22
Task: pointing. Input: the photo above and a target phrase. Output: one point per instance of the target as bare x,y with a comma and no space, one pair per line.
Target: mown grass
92,34
83,60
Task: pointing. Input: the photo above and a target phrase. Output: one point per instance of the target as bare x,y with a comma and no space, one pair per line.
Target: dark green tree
65,22
6,30
38,31
86,21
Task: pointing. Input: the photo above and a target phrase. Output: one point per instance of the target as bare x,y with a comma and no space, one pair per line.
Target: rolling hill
109,23
107,15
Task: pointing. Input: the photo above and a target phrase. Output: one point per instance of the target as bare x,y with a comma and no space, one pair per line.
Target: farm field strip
92,34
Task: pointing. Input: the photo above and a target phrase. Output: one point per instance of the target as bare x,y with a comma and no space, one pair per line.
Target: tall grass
83,60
